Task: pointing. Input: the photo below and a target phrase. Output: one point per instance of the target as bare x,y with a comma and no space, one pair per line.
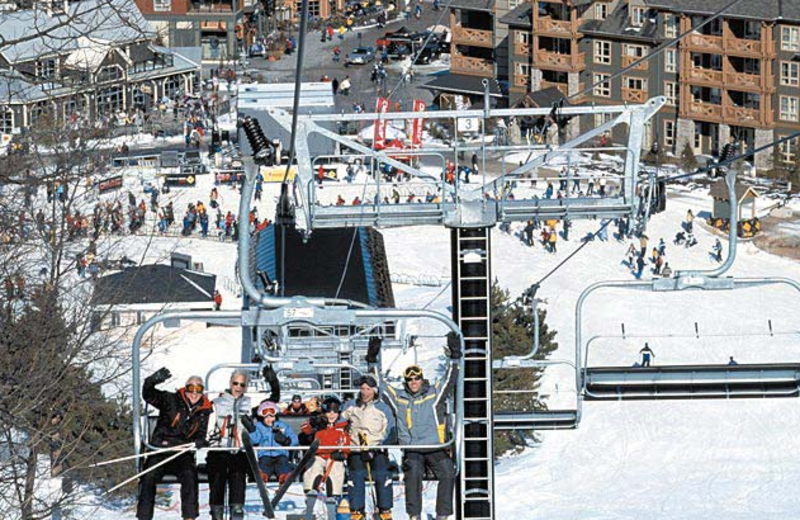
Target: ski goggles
413,372
331,407
196,388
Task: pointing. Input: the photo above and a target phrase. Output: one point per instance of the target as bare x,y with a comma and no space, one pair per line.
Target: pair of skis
252,460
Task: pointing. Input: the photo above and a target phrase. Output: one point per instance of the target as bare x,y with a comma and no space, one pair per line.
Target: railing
468,64
741,114
629,60
742,45
547,25
705,42
563,87
706,75
634,95
522,49
470,36
740,79
522,80
566,62
700,108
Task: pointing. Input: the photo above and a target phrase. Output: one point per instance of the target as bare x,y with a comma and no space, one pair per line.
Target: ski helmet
331,404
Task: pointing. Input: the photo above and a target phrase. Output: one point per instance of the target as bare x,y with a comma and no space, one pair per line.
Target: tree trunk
30,483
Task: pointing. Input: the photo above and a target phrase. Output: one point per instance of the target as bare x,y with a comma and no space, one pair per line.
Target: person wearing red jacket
328,468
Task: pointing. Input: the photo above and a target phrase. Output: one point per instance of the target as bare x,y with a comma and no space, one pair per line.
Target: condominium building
737,75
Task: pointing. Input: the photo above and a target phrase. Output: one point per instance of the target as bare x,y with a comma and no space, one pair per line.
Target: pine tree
512,335
688,159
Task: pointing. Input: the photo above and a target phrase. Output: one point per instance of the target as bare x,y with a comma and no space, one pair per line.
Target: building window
789,110
669,134
171,85
522,37
637,16
46,69
790,38
109,100
788,150
671,26
631,83
162,5
671,92
601,119
602,52
671,60
790,74
602,89
109,73
634,51
6,121
601,11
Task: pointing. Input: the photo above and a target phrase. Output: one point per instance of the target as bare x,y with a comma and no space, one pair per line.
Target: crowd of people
354,437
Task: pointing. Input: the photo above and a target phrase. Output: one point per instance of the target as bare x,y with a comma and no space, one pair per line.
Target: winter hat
412,371
267,406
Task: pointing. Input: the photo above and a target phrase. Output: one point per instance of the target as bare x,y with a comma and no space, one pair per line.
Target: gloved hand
161,375
280,437
338,455
247,422
454,345
269,374
199,443
374,349
319,422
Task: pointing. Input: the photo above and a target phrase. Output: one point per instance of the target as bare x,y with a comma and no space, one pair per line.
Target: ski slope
631,460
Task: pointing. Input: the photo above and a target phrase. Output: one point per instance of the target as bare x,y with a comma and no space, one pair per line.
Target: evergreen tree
688,159
512,335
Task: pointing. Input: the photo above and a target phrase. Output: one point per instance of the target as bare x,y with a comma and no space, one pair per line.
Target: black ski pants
443,469
226,470
185,469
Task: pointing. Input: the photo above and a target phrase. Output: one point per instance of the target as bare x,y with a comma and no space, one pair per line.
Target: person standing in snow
217,301
717,251
647,354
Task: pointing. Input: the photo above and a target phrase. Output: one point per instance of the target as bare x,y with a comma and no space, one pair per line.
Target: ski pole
145,454
371,485
148,470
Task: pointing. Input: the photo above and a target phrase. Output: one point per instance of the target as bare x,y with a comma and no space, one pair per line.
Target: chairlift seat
693,382
536,420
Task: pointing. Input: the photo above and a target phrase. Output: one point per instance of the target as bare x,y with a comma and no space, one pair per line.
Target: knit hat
267,406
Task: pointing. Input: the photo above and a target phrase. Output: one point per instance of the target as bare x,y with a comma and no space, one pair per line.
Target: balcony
546,26
705,76
474,66
562,62
705,43
749,82
474,37
522,81
627,61
522,49
221,8
704,110
742,116
634,96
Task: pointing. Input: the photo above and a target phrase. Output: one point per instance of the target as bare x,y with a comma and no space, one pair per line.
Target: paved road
318,62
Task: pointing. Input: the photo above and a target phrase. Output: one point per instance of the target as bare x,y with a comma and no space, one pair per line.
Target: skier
217,301
344,86
666,272
228,469
552,238
326,473
528,233
639,266
732,362
183,419
296,407
647,354
717,251
420,407
662,247
689,221
370,426
271,432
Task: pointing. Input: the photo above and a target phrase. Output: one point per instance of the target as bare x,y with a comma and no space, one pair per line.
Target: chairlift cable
585,243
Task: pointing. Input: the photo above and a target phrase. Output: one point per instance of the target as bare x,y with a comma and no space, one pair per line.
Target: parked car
360,56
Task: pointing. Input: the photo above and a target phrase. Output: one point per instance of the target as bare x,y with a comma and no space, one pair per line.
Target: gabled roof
719,191
473,5
149,284
34,33
520,16
618,26
15,89
464,84
772,10
545,98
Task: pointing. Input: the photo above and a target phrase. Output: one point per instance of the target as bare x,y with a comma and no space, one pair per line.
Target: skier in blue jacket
272,432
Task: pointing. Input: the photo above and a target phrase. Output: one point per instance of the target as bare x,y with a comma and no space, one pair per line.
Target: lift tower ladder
471,272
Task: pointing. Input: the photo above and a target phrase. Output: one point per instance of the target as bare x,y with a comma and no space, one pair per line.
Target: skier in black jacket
183,419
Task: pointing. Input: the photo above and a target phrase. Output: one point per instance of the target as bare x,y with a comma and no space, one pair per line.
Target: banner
417,124
381,107
276,173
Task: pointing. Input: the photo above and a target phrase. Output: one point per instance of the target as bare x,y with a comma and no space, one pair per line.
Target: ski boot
385,515
357,515
217,512
237,511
